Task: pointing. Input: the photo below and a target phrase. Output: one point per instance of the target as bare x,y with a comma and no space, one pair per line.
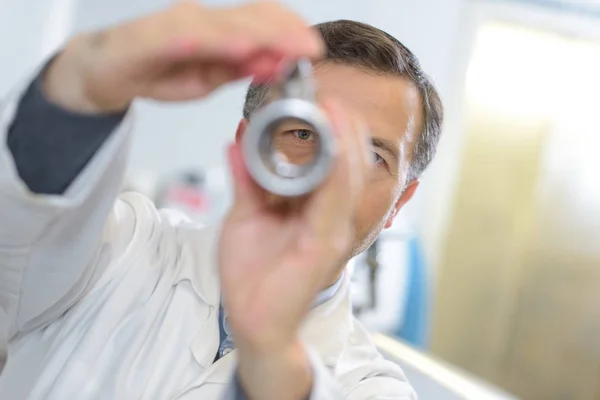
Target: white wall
442,176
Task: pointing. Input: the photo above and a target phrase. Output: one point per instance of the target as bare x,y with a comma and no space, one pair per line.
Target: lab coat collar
325,332
326,329
198,263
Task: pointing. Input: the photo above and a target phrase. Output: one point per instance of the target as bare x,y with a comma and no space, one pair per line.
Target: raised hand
182,53
274,260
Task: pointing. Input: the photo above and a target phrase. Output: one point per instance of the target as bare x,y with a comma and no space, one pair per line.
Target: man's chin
365,242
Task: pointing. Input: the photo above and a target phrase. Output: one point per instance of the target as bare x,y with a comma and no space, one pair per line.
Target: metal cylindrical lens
289,147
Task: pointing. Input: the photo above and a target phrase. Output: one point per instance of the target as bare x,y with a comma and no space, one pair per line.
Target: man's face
391,107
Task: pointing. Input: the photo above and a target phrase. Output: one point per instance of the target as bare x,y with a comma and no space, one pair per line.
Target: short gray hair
364,46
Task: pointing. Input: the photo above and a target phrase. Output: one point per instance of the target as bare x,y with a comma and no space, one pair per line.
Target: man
115,300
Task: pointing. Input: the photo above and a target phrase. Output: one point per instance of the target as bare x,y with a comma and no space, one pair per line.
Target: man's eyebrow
387,146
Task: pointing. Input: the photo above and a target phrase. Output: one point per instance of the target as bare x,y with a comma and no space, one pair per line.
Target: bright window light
514,71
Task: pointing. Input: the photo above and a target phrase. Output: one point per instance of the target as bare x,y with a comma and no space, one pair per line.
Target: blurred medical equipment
434,380
186,193
415,327
200,194
390,284
391,288
288,146
372,264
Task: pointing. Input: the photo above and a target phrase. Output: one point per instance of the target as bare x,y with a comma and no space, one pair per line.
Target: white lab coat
116,300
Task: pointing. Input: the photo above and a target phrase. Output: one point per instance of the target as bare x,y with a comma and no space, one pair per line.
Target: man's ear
408,193
239,133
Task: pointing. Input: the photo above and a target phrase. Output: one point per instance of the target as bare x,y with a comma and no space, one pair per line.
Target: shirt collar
328,293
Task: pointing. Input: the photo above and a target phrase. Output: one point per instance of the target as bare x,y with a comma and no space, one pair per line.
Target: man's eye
304,134
377,159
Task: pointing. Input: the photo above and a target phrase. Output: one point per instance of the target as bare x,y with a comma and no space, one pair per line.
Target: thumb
248,196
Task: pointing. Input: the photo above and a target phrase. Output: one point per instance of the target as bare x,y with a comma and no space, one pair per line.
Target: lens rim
254,147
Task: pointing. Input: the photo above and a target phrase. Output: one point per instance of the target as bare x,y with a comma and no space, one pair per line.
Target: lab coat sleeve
50,244
383,381
366,375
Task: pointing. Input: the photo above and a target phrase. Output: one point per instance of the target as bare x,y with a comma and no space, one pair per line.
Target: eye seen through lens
293,146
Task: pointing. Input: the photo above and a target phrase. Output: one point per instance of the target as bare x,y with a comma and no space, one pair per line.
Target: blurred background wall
518,290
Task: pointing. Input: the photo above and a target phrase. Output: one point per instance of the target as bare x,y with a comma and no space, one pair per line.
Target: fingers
276,27
189,50
236,33
263,66
188,81
248,196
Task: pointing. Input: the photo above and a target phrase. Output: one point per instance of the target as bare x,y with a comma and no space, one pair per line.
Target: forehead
390,105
